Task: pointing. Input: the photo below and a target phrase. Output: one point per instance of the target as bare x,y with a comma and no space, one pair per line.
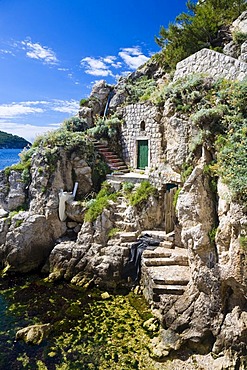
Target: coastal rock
27,245
34,334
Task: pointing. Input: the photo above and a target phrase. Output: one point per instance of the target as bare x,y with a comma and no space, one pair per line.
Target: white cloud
133,57
8,111
65,106
17,109
39,52
5,52
96,67
109,59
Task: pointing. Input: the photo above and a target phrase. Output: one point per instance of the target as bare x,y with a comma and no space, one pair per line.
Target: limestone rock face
86,113
12,190
240,24
28,242
27,238
99,96
177,132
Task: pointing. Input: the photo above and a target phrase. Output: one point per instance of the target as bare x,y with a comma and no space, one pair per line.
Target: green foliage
12,141
239,37
232,161
113,232
175,198
243,243
69,140
99,172
212,235
74,124
128,187
24,167
187,94
187,170
17,210
207,116
142,193
83,102
198,28
96,206
140,89
105,128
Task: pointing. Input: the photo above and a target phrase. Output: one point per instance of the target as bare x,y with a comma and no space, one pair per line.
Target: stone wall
141,122
213,63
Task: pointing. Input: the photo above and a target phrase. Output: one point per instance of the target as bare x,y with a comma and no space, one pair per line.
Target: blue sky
53,51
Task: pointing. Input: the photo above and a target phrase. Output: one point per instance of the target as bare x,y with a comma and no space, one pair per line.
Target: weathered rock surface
34,334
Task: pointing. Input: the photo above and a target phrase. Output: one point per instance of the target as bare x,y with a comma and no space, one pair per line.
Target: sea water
89,332
9,157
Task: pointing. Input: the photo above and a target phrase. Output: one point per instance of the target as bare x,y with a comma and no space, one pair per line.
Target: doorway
142,154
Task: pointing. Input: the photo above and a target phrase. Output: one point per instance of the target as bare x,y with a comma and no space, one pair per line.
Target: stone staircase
114,162
123,221
165,269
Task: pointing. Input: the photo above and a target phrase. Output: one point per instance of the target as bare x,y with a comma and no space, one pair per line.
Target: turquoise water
9,157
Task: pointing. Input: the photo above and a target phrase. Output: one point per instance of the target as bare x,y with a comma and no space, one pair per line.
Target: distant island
9,141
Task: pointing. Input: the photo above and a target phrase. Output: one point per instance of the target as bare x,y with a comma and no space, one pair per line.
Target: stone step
170,281
119,215
167,244
156,234
175,274
157,252
112,158
168,289
126,226
117,165
163,261
126,237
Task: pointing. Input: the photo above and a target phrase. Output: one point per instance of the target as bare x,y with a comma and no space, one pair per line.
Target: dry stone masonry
213,63
141,122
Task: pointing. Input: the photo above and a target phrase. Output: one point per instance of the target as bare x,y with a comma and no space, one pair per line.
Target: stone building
141,136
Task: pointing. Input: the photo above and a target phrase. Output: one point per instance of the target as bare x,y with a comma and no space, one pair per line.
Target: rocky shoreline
205,311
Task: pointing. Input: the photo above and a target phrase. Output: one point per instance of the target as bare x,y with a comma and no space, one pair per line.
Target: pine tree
198,28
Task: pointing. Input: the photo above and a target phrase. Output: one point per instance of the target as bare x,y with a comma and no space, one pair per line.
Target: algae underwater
89,331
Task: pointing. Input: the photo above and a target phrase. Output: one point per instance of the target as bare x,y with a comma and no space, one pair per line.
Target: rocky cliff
198,128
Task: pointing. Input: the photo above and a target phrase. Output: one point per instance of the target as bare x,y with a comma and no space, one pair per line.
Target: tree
198,28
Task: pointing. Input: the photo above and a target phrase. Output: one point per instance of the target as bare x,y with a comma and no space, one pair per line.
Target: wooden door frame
140,138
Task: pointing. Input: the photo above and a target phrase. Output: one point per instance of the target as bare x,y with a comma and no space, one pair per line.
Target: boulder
28,242
34,334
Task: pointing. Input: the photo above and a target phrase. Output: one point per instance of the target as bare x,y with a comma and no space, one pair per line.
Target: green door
142,154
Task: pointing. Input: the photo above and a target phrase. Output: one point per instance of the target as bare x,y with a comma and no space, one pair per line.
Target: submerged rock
34,334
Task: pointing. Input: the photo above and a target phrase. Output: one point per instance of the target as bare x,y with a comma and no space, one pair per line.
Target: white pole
75,189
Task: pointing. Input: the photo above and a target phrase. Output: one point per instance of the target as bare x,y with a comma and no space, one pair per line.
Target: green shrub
212,235
239,37
187,170
113,232
140,89
128,186
243,242
105,128
74,124
208,115
96,207
142,193
83,102
175,198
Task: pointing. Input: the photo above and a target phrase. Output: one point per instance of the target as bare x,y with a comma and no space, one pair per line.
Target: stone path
165,269
114,162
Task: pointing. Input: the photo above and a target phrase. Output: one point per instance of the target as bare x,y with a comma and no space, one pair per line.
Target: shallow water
89,332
